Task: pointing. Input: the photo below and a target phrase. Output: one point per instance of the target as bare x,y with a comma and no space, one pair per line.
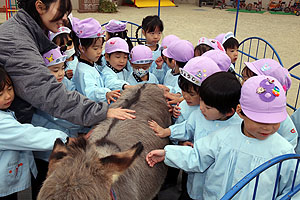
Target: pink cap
223,37
116,44
198,69
88,28
61,30
141,54
263,99
204,40
180,50
168,40
220,58
54,57
114,26
272,68
217,45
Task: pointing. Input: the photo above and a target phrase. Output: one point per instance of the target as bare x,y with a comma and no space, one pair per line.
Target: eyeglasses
64,47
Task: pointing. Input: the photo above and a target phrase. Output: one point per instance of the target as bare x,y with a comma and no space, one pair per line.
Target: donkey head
77,171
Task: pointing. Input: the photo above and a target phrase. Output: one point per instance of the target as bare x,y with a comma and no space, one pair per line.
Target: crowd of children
222,129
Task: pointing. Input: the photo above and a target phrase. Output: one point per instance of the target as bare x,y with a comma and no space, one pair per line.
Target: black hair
109,54
84,42
201,49
180,64
149,24
231,43
65,7
222,91
187,85
4,79
61,38
248,72
123,35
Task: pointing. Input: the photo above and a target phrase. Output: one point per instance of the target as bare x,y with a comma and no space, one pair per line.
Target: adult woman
23,39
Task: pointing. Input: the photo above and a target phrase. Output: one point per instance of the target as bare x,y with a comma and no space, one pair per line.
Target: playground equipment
256,5
276,6
220,4
256,172
293,93
153,3
10,8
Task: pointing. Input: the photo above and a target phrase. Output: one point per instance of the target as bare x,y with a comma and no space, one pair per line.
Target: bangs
4,79
65,7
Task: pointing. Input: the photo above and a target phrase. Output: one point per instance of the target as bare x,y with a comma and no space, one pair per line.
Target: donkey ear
119,162
59,151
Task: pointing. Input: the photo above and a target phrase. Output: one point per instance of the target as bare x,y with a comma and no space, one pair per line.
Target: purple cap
54,57
141,54
116,44
263,99
114,26
168,40
180,50
272,68
223,37
61,30
220,58
88,28
198,69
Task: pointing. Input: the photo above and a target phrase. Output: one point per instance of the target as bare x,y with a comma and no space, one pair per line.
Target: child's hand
69,73
159,62
176,111
113,96
155,156
187,143
120,113
163,87
159,131
175,98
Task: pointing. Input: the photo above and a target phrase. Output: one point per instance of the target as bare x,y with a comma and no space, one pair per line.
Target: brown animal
92,169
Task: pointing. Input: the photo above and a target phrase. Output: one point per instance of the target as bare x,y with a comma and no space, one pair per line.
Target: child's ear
239,110
106,57
144,33
81,49
230,113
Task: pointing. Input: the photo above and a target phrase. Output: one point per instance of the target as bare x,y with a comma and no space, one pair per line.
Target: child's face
141,66
171,64
246,74
152,38
117,60
211,113
7,95
68,43
257,130
93,53
192,98
232,53
58,71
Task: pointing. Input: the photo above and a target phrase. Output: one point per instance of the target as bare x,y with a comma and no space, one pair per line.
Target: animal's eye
58,155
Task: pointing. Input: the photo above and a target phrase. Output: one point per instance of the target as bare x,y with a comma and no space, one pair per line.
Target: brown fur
89,171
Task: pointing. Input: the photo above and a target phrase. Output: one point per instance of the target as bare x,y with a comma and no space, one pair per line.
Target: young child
17,142
296,119
152,28
116,56
177,54
272,68
220,58
63,39
230,153
141,60
205,45
231,45
88,80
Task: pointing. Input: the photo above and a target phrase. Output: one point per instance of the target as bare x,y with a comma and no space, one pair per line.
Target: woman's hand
120,113
155,156
113,96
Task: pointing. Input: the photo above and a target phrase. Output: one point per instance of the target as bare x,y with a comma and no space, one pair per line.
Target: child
62,38
177,55
152,28
141,60
231,45
17,141
220,58
116,28
116,56
272,68
205,45
296,119
230,153
88,80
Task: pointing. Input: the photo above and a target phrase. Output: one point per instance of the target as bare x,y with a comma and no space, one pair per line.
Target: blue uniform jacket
132,81
159,73
171,81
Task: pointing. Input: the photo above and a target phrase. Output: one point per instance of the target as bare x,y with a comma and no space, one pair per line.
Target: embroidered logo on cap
267,90
265,67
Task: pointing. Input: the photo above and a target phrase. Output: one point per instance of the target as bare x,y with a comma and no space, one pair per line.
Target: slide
152,3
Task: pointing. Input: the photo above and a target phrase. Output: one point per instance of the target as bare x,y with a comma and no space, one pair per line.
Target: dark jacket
22,42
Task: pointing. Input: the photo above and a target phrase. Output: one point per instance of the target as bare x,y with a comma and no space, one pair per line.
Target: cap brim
166,53
252,68
274,117
118,50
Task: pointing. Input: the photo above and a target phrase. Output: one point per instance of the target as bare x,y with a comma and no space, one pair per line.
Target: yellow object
152,3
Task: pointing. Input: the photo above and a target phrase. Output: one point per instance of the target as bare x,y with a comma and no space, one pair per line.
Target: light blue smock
89,82
71,65
17,141
226,156
296,119
171,81
159,73
132,81
288,130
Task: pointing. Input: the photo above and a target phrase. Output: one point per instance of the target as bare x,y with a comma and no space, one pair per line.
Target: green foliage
107,6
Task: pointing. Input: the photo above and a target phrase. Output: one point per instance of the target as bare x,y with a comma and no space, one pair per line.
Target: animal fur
89,169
